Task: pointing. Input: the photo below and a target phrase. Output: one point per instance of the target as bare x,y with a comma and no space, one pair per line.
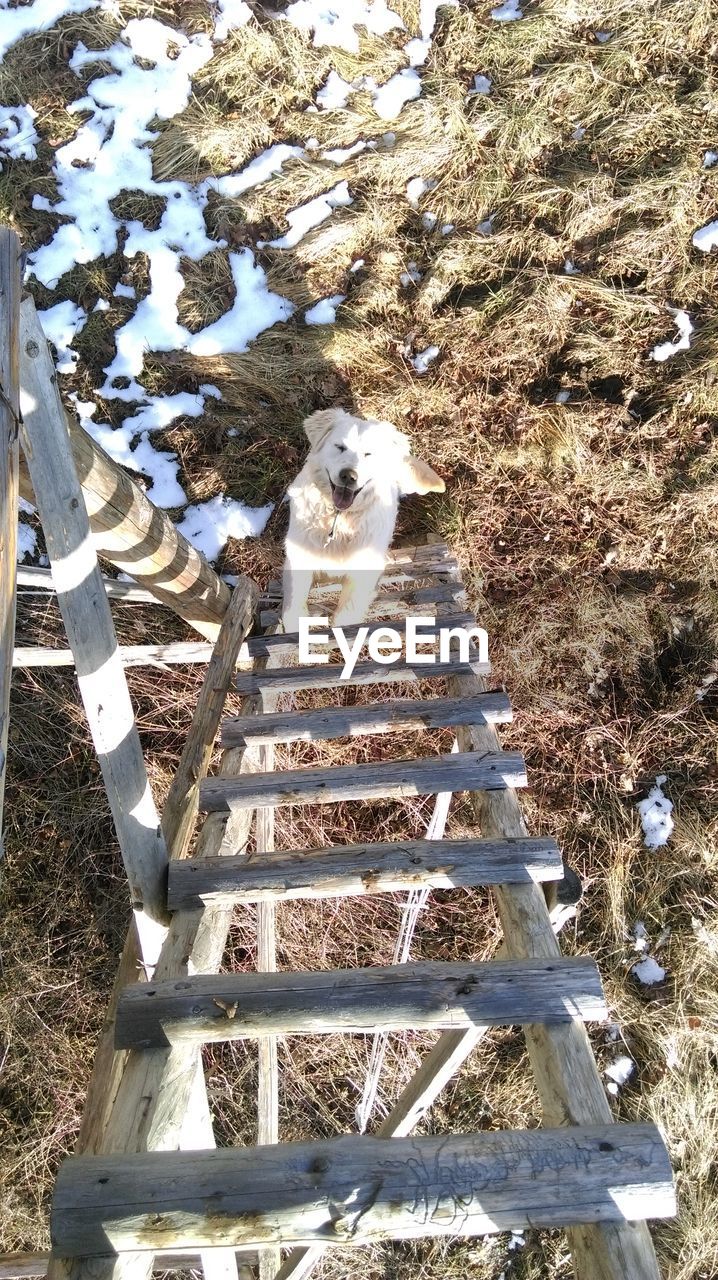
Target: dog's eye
367,455
342,448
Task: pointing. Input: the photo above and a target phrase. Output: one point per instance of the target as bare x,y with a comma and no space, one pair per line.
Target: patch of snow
707,237
417,51
641,940
422,361
339,154
391,97
117,442
648,971
578,133
261,169
710,159
101,305
570,268
60,324
603,37
325,311
161,411
416,187
563,397
664,350
618,1073
486,228
655,814
428,10
706,682
517,1241
208,525
428,220
26,541
25,507
509,12
335,24
231,14
447,228
356,266
305,216
29,18
412,275
482,87
254,309
18,127
124,291
335,93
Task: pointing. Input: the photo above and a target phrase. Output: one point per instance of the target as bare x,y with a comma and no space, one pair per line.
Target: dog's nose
348,476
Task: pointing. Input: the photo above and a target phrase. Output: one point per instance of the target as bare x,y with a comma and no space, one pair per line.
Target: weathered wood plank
565,1070
31,575
396,998
384,778
268,1062
289,679
358,870
355,721
88,623
182,804
409,599
10,287
362,1189
25,1266
127,528
130,655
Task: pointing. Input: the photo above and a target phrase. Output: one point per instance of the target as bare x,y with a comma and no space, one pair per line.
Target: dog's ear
419,477
318,425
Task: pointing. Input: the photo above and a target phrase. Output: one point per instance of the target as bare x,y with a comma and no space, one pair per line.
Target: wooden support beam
393,779
323,723
268,1062
565,1070
10,286
358,870
289,679
182,804
237,1006
127,528
88,623
357,1190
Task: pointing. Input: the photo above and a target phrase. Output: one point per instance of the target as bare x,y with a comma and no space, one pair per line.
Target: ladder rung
407,997
262,646
355,870
323,723
383,779
289,679
361,1189
387,603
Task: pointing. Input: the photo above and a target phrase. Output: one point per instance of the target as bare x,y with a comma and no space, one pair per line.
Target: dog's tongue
343,497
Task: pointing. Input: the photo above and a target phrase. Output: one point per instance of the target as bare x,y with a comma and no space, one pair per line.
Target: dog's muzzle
343,494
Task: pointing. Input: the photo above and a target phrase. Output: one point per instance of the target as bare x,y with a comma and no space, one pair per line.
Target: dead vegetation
586,529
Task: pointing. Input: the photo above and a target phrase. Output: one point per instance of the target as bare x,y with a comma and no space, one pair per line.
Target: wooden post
88,623
127,528
10,285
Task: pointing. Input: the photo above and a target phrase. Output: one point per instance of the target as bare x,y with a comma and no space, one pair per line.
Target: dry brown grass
586,531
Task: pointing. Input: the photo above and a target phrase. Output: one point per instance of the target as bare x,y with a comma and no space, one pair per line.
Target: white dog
343,507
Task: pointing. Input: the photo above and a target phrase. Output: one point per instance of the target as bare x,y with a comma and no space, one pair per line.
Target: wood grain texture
439,597
396,998
25,1266
359,870
425,776
88,623
361,1189
10,287
289,679
127,528
325,723
182,804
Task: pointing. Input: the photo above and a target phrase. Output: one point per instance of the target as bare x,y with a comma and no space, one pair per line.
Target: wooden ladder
149,1183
